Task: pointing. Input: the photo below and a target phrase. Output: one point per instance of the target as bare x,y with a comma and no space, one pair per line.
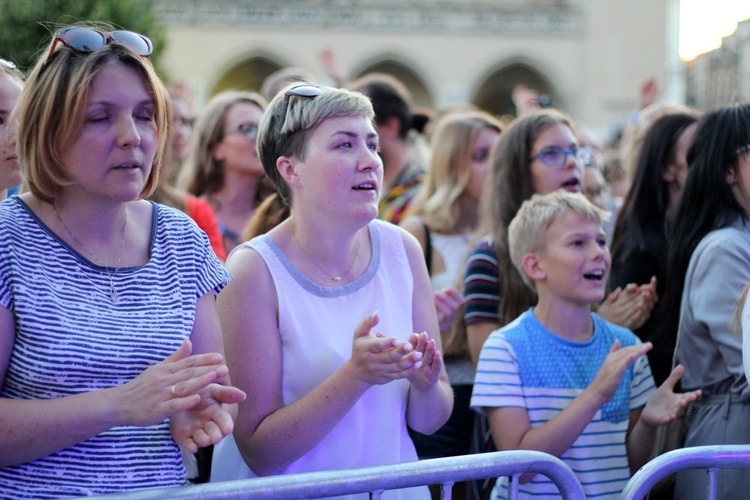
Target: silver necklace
112,291
336,277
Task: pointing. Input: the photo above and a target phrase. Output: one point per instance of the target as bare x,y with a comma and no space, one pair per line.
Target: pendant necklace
112,291
336,277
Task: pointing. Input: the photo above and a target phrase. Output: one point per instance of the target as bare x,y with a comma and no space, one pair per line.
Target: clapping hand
208,422
378,359
631,306
665,405
428,373
447,303
609,376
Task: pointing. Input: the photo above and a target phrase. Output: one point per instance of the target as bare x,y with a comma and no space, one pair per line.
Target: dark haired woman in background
708,265
639,246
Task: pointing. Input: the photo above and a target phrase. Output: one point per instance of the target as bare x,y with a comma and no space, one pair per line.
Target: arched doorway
494,94
246,75
420,95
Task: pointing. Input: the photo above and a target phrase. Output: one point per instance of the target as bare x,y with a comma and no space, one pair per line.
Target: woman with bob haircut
222,166
708,267
110,344
337,298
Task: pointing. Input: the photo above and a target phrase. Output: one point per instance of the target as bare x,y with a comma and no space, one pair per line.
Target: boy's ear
533,266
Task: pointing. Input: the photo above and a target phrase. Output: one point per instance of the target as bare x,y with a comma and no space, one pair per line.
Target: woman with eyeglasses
11,84
708,266
330,324
110,343
222,166
539,153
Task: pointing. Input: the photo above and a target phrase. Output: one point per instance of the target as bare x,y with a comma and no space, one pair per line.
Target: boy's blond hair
527,232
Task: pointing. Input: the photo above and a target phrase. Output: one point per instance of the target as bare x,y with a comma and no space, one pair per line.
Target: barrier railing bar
379,478
710,458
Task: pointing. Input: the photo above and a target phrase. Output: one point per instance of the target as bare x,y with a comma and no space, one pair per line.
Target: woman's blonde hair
442,202
51,113
202,173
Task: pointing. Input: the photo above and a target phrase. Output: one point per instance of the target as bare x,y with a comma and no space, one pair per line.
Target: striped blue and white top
72,338
525,365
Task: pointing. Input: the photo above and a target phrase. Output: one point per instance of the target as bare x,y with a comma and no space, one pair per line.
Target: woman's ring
174,395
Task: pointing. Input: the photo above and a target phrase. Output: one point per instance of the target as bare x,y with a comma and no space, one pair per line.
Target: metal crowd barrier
711,458
375,480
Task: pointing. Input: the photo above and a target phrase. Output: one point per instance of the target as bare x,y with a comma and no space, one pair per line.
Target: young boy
560,379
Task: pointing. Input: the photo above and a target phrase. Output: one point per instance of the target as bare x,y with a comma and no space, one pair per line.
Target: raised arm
35,428
271,436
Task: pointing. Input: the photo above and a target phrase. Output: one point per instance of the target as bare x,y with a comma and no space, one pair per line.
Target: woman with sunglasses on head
110,344
11,84
327,350
708,266
222,166
538,153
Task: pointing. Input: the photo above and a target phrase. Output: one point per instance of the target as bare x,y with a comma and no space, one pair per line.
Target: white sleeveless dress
316,325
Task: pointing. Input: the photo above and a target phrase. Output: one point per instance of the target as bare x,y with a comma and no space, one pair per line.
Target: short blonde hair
527,232
303,115
51,113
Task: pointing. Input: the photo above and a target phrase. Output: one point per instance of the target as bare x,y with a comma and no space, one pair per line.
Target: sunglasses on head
7,64
302,90
86,40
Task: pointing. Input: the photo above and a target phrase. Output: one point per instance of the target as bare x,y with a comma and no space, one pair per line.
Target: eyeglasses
86,40
248,129
7,64
302,90
556,157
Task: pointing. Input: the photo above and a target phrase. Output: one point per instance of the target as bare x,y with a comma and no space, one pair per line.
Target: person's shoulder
484,248
9,208
516,329
614,332
171,216
731,240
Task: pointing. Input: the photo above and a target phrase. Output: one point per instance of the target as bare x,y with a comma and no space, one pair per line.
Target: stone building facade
722,76
589,56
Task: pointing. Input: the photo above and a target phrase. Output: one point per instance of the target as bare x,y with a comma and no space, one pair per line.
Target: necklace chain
336,277
112,291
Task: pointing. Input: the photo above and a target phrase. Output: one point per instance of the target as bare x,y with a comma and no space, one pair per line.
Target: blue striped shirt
525,365
71,338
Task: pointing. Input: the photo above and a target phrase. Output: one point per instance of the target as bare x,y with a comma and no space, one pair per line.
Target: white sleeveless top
453,248
316,325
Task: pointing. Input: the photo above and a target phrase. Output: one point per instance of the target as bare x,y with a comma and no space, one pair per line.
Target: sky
703,23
